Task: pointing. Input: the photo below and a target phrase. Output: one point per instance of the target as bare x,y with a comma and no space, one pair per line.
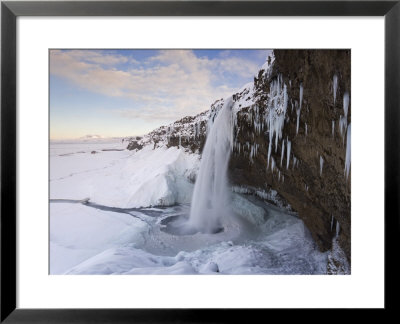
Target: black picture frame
10,10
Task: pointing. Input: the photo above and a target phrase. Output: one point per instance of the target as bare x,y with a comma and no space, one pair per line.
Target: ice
337,228
289,146
333,128
283,151
335,84
348,152
321,164
306,128
346,103
298,109
277,106
343,119
301,94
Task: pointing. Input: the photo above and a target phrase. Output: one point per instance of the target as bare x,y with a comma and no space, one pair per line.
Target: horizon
124,93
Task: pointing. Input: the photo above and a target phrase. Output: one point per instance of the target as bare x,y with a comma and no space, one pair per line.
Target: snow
149,177
98,242
268,63
78,232
337,261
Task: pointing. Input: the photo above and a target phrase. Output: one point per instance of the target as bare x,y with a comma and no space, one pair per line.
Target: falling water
210,201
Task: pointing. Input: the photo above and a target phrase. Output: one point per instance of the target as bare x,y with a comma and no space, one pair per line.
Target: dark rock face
321,200
134,145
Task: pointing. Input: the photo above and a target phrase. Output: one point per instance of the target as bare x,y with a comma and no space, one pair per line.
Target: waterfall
210,201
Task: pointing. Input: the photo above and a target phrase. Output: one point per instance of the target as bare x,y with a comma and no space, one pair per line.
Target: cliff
291,135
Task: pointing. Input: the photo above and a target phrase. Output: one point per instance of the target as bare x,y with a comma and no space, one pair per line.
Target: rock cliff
291,135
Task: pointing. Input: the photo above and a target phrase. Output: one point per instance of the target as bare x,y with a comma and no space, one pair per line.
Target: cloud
168,85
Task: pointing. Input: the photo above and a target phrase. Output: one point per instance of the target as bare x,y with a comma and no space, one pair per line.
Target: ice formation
335,84
343,119
348,152
298,108
289,146
321,164
272,164
337,228
277,106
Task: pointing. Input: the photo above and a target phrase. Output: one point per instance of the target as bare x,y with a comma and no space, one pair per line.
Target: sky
117,93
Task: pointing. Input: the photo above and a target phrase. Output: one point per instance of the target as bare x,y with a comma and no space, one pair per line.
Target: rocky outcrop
298,101
314,183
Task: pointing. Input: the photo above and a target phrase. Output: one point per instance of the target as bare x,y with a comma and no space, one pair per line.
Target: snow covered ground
121,178
137,199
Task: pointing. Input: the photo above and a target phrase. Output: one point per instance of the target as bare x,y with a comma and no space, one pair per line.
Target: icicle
269,153
279,175
289,146
277,106
348,152
346,104
301,94
337,228
331,223
272,164
298,109
335,83
306,128
343,120
333,128
283,151
321,164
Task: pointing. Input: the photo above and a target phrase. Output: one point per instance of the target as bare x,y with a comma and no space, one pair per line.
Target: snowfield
123,179
136,200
